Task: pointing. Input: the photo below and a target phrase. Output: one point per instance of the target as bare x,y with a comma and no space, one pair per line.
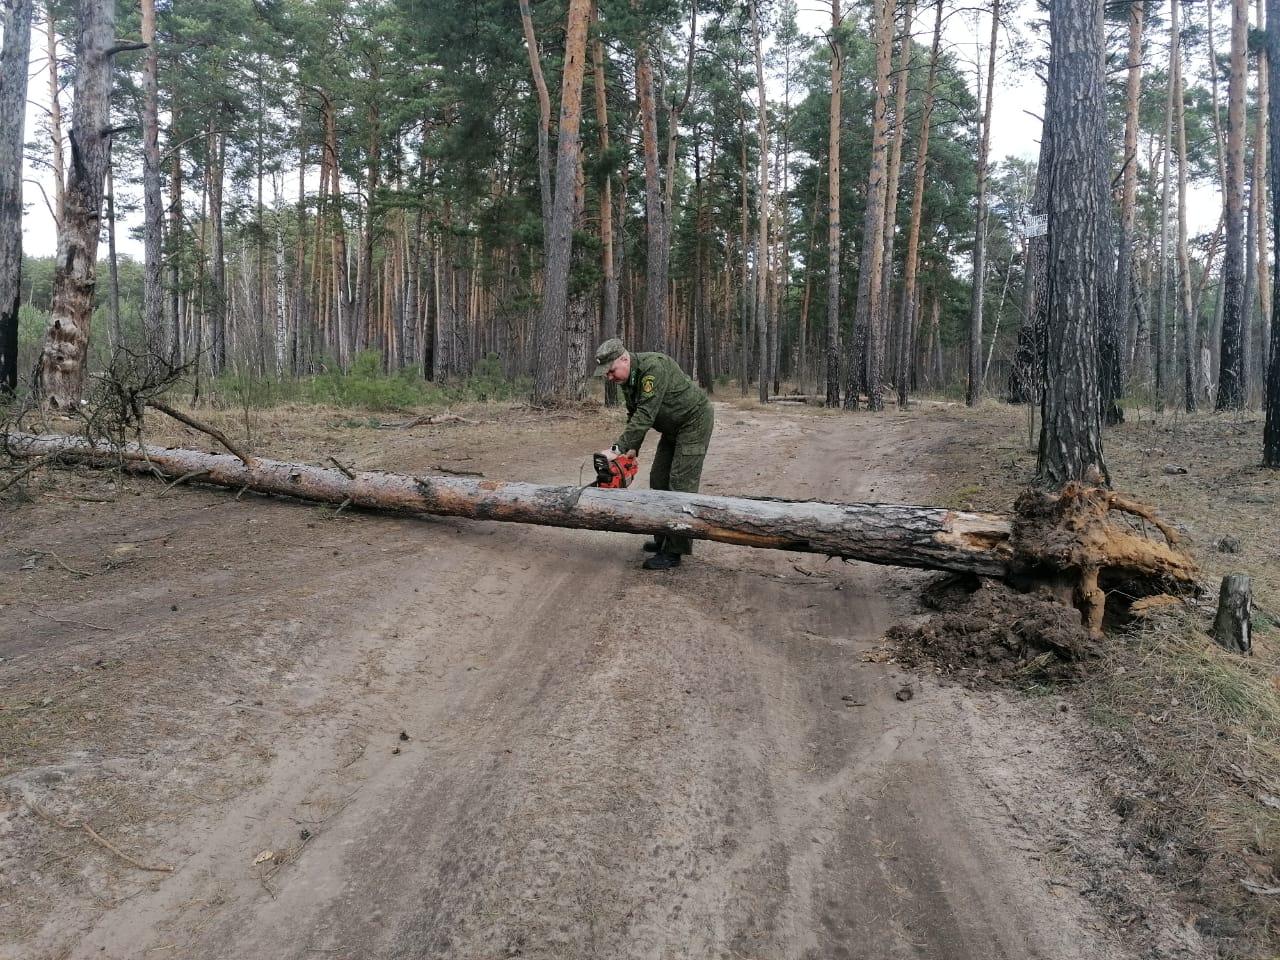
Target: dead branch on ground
85,827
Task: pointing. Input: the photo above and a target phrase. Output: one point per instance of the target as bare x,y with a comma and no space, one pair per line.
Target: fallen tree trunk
910,536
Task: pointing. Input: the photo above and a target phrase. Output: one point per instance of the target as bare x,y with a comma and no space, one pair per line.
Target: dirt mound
990,632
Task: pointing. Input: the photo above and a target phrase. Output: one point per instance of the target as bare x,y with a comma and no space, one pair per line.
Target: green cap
606,353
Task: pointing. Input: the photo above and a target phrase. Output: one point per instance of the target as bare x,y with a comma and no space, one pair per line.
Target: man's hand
613,453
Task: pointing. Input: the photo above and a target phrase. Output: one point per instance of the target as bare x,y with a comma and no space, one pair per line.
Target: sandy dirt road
473,740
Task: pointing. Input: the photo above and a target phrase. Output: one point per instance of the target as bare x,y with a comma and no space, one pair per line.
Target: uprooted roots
1087,543
1074,551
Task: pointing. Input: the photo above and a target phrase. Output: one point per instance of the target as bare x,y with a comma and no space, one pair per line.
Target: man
660,396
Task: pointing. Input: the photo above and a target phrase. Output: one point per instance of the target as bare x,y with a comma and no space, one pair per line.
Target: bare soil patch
373,736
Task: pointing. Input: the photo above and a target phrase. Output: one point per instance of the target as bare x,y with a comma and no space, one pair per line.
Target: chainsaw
617,473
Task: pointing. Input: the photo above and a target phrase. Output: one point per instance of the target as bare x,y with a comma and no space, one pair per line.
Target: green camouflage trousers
677,465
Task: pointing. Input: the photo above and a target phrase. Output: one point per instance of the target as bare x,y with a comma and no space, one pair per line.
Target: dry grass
1188,734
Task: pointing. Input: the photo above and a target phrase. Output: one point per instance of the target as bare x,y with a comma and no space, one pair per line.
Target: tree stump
1232,627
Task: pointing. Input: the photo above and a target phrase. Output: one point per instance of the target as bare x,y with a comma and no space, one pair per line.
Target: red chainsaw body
617,473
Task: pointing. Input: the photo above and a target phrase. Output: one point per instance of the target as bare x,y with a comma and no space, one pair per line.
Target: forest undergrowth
1187,734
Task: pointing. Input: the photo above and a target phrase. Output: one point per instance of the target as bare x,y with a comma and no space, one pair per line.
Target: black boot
662,561
652,546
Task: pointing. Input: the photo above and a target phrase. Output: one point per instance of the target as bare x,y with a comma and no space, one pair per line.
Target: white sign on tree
1035,225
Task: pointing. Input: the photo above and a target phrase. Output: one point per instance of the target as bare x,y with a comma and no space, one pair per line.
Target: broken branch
200,425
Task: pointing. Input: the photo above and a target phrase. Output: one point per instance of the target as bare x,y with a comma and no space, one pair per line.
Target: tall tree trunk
746,293
66,343
14,59
1190,346
1232,384
891,190
300,288
551,353
909,291
1129,188
833,208
113,265
674,113
1159,324
864,363
282,319
654,329
153,326
364,297
1075,128
338,289
1257,277
218,272
57,149
1250,281
974,388
177,346
609,305
1260,177
544,115
1271,429
762,242
704,364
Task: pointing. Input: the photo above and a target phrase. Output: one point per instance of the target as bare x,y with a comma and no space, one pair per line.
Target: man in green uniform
660,396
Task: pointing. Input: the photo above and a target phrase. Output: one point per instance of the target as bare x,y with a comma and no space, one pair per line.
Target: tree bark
113,266
909,290
364,321
14,59
218,257
1260,189
1271,428
833,208
1075,131
762,217
609,307
865,361
1232,384
1159,323
177,352
551,352
57,149
66,343
544,115
974,389
281,319
913,536
901,83
654,329
1129,188
153,325
1233,626
1190,346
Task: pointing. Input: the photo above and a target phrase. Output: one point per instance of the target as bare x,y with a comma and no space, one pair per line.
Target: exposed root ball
1085,539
